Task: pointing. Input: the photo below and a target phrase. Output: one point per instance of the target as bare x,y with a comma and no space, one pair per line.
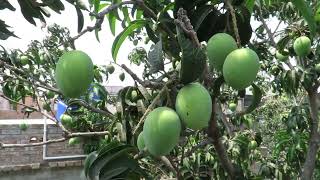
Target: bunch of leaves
113,161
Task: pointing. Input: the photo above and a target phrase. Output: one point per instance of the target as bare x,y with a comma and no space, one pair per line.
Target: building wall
17,156
7,111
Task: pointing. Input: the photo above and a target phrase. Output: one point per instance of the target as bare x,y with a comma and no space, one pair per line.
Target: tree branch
14,70
170,165
213,133
200,145
152,106
234,22
93,109
38,110
229,126
265,25
314,140
3,146
100,18
146,83
78,134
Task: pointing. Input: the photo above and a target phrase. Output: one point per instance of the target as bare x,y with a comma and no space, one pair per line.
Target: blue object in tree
94,93
61,109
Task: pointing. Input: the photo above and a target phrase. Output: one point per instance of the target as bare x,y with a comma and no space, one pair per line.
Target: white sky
99,52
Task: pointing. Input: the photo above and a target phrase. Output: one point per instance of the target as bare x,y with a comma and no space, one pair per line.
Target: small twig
152,106
168,163
176,168
79,134
38,110
93,109
88,134
100,18
198,146
146,83
276,29
2,145
229,127
265,25
234,22
14,70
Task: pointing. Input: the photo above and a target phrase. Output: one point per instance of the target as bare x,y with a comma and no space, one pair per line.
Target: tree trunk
309,164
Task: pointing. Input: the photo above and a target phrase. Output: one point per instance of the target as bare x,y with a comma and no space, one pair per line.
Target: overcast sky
99,52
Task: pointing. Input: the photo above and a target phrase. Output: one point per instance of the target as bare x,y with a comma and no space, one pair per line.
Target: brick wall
27,155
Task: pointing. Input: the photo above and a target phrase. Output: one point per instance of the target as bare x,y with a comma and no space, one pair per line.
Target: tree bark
309,164
213,133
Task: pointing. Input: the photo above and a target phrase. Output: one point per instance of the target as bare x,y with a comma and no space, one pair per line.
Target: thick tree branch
314,140
213,133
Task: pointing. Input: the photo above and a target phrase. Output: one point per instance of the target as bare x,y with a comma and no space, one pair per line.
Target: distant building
8,111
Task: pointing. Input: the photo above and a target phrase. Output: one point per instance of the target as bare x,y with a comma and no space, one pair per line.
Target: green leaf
5,4
306,12
125,162
124,34
126,14
110,173
139,14
88,162
257,96
193,59
106,157
80,4
250,5
201,15
29,11
112,22
282,43
96,5
80,19
4,32
151,34
155,57
96,32
56,6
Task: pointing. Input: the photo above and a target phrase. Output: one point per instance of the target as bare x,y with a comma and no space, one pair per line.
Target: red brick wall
7,111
